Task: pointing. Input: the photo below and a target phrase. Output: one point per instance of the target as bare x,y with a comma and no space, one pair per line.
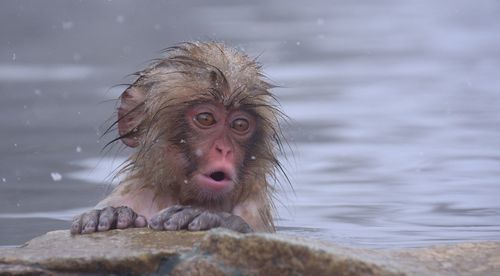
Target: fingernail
154,224
121,224
171,226
193,226
102,226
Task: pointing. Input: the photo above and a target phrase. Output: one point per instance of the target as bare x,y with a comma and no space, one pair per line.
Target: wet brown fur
192,73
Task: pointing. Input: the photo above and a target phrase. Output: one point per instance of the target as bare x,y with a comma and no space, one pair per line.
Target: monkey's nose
224,150
218,176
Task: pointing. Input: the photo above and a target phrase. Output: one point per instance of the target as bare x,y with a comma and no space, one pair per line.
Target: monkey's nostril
218,176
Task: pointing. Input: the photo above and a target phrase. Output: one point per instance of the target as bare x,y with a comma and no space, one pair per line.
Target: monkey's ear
130,115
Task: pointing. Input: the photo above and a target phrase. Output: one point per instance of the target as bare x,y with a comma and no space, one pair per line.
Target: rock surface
219,252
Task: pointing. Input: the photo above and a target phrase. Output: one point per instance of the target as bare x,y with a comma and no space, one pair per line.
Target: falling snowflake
56,176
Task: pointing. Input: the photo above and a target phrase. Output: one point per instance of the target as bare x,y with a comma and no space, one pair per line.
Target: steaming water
394,107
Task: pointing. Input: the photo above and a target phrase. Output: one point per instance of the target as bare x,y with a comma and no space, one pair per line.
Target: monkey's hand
196,219
107,219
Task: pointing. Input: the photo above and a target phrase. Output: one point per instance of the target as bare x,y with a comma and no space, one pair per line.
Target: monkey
205,131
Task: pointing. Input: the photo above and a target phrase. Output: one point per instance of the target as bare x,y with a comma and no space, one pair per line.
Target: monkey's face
217,146
204,123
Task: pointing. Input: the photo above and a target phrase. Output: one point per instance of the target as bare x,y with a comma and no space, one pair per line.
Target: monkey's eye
205,119
240,125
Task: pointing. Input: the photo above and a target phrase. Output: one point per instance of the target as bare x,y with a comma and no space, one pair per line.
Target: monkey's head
204,124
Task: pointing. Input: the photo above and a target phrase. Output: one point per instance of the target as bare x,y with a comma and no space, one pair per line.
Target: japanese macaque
206,133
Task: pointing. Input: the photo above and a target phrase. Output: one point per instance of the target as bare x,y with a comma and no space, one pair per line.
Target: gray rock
220,252
133,251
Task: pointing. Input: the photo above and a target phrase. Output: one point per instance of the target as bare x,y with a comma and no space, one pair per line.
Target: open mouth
218,176
216,181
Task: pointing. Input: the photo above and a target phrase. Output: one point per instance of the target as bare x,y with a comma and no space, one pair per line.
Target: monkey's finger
156,222
125,217
76,225
180,220
140,221
206,220
89,221
107,219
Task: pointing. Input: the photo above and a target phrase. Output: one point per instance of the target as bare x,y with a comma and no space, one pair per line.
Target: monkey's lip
216,180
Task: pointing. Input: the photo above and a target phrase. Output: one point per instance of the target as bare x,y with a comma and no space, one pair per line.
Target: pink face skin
219,152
